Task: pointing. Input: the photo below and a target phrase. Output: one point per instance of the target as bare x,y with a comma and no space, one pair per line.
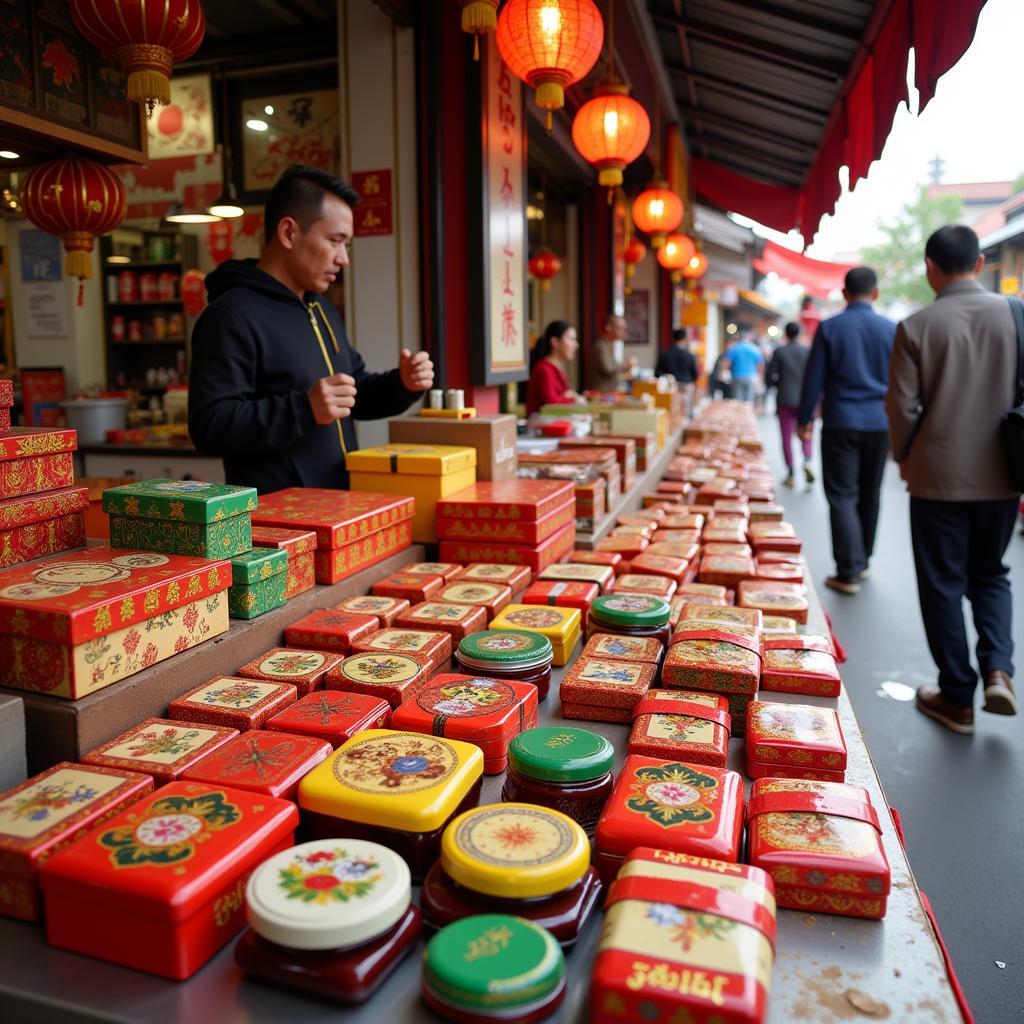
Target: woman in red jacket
552,356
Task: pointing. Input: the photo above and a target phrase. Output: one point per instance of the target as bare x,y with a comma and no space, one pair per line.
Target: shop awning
751,302
775,99
817,277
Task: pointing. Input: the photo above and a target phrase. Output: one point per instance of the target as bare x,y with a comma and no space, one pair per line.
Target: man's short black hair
859,282
679,334
954,249
792,329
299,194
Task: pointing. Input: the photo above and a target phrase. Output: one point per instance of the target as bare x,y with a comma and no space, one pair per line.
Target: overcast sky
973,122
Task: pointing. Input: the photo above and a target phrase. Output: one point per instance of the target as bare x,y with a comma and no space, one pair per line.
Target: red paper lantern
656,212
696,266
610,131
633,252
676,253
550,44
146,37
544,266
76,199
479,17
193,291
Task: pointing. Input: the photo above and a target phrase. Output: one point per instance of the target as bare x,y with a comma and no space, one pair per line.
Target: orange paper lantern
146,37
544,266
478,18
550,44
76,199
633,252
676,253
696,266
610,131
656,212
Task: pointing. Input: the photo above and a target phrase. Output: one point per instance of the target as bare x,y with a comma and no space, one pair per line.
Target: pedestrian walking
785,373
744,360
953,378
720,381
848,371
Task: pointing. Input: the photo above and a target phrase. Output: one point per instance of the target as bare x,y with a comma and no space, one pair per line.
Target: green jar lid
493,963
630,610
509,648
555,754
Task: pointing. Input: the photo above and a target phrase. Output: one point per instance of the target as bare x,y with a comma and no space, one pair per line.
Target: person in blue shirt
745,361
848,372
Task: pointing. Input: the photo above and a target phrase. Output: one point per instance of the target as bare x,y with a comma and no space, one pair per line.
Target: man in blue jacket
274,384
848,372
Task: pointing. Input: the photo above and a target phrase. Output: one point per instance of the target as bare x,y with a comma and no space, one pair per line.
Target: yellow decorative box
560,625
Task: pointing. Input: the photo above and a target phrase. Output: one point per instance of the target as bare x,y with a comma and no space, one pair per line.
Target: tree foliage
899,259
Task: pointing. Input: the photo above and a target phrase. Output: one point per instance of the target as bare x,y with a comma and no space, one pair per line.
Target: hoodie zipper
312,307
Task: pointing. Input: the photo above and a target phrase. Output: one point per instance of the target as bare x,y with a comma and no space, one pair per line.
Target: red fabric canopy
861,119
817,277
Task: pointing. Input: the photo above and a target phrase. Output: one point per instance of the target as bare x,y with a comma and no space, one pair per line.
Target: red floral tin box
330,630
611,647
272,763
800,664
42,524
724,615
726,570
685,808
488,713
236,703
535,557
509,531
780,572
682,725
305,670
507,500
334,564
300,545
581,572
515,577
393,676
675,567
774,598
628,547
46,813
446,570
459,620
430,646
797,737
412,587
162,884
332,716
821,842
566,593
386,609
639,583
605,691
36,459
720,660
492,597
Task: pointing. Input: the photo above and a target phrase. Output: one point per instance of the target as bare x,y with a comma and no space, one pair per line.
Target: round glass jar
330,917
514,654
630,615
493,967
513,858
566,769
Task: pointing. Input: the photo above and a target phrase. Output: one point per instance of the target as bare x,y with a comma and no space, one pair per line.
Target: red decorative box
776,625
75,623
725,570
305,670
161,886
724,534
775,537
766,512
649,520
581,572
683,521
683,808
507,500
670,566
720,660
330,630
610,558
234,703
628,547
638,583
687,537
412,587
384,609
632,530
42,524
431,646
515,577
509,531
625,452
160,747
300,545
605,690
735,506
800,664
393,676
332,716
797,737
458,620
271,763
683,726
727,615
719,548
821,843
36,459
492,597
675,489
540,557
591,499
568,594
772,598
488,713
446,570
687,551
685,939
780,572
335,564
6,393
46,813
705,593
624,648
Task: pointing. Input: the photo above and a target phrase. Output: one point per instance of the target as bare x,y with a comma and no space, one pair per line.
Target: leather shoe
999,696
958,719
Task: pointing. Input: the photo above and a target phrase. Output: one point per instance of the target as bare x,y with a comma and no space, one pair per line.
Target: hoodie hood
246,274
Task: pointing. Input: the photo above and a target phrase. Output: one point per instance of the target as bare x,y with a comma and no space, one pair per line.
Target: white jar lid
328,894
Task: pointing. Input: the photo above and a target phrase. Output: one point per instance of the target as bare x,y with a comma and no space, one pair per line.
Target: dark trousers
852,464
958,552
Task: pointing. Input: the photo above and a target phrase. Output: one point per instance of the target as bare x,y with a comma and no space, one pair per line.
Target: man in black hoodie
274,383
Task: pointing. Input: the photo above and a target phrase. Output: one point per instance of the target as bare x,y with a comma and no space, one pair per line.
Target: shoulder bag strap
1017,309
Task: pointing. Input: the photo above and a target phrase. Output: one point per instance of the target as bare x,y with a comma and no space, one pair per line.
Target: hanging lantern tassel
479,17
149,74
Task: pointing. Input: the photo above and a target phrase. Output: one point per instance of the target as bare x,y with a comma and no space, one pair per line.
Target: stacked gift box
299,545
6,403
603,460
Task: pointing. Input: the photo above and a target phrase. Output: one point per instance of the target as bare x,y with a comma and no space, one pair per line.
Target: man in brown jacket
952,379
608,367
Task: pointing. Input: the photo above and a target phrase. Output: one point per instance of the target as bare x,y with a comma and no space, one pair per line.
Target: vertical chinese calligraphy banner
498,205
373,215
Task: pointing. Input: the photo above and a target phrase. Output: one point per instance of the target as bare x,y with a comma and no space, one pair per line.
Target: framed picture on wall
637,316
185,126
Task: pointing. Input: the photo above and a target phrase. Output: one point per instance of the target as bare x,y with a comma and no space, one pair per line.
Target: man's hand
805,432
332,398
417,371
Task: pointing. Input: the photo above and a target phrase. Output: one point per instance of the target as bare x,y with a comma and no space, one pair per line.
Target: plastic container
93,417
508,654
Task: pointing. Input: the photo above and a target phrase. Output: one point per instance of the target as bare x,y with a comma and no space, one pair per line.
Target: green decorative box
223,539
250,600
182,501
258,564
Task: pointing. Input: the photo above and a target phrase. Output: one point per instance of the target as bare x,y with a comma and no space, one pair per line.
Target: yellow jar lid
415,459
515,851
401,780
558,624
